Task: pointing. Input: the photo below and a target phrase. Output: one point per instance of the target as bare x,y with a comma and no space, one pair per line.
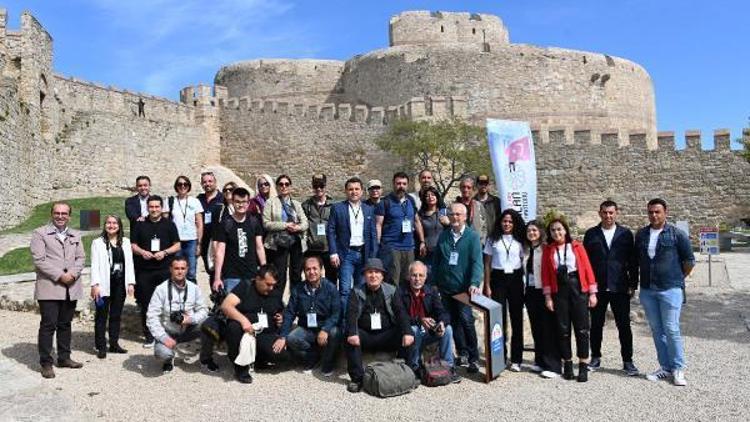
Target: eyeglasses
182,184
284,184
264,184
375,188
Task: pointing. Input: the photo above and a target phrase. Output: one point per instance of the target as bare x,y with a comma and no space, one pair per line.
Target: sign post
494,341
709,244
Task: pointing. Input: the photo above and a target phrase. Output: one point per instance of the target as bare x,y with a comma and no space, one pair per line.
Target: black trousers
57,316
111,310
378,340
571,306
620,303
507,289
146,282
205,241
263,344
284,258
464,331
544,330
332,273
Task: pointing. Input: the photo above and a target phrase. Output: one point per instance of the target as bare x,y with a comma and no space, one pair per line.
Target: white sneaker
149,344
549,374
515,367
535,368
658,375
678,378
327,374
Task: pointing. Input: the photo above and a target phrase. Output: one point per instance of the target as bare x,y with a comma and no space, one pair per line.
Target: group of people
386,273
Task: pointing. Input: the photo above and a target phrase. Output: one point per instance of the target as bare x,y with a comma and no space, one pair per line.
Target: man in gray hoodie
175,312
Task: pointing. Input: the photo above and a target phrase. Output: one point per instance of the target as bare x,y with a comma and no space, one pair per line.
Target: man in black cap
318,211
375,321
491,202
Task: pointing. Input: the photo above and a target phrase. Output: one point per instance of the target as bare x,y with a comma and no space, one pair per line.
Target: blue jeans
230,283
349,270
302,342
187,249
663,313
464,332
423,337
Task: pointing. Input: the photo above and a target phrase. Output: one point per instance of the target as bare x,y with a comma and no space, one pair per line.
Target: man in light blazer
352,238
58,255
611,250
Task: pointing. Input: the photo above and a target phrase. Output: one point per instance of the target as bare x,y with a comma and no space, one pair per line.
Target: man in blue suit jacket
611,250
352,238
136,207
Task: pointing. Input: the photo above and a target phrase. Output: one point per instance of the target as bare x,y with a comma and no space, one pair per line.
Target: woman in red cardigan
569,290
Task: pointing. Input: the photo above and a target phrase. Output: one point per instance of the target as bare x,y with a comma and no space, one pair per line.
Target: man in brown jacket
58,259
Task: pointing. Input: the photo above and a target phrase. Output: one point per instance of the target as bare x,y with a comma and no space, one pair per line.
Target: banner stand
494,342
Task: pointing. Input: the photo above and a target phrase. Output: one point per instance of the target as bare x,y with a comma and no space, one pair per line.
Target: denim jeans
464,332
349,270
663,313
230,284
423,337
303,344
187,249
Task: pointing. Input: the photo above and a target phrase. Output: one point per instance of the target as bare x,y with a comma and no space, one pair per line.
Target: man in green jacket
458,269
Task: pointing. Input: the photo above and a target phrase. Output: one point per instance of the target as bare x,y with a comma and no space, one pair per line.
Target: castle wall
424,27
546,86
702,187
277,137
311,81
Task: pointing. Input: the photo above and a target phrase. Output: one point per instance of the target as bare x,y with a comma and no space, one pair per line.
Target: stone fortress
593,118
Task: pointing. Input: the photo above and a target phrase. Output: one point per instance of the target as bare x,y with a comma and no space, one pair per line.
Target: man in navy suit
136,207
611,250
352,238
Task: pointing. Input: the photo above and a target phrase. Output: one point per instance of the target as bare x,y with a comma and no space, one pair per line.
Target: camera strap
169,295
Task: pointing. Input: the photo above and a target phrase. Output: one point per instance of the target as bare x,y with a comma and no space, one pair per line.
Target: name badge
453,260
117,267
263,319
375,323
406,226
321,229
312,320
207,217
155,245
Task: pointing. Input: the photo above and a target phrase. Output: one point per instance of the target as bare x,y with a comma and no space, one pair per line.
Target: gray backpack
389,379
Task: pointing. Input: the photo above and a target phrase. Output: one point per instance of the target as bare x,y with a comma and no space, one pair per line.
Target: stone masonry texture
593,117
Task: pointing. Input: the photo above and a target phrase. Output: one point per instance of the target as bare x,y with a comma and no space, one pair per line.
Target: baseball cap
374,183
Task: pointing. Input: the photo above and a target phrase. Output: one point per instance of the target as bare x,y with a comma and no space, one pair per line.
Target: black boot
583,371
568,370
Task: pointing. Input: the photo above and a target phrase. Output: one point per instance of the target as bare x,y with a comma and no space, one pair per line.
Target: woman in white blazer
112,275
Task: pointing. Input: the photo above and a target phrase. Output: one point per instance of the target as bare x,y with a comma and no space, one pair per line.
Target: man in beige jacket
58,256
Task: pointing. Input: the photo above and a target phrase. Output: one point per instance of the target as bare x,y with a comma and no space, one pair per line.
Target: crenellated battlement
637,138
417,108
202,95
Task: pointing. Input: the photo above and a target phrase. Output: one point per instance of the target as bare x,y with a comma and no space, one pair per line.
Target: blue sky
697,52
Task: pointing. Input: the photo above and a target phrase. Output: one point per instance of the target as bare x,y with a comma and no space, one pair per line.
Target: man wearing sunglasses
318,211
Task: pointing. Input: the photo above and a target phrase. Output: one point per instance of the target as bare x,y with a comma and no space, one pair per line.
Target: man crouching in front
251,336
175,312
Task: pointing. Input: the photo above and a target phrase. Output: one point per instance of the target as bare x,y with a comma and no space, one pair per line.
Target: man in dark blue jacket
429,321
315,305
136,207
352,238
611,251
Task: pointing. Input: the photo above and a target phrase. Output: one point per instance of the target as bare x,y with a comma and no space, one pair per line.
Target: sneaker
209,365
168,366
455,378
630,369
148,344
473,368
678,378
515,367
549,374
48,371
462,361
595,364
327,373
535,368
354,387
658,375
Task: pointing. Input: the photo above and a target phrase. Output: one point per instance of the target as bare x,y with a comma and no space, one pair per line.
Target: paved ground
131,387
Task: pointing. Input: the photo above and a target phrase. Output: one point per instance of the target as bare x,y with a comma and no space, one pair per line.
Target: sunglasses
265,184
319,186
284,184
182,184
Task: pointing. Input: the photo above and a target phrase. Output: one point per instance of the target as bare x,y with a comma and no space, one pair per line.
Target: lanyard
183,211
565,255
355,211
507,247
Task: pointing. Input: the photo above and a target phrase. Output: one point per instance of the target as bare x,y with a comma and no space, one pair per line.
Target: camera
177,317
